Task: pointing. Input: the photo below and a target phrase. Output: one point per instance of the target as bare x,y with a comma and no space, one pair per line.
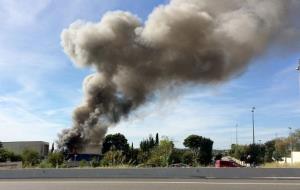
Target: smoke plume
183,42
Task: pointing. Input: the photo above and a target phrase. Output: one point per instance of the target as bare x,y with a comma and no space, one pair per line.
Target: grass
278,165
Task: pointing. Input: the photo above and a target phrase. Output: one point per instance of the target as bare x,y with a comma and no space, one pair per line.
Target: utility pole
291,144
298,70
236,134
253,134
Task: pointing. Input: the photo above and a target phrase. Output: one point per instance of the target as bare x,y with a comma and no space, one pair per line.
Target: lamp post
236,134
291,144
253,134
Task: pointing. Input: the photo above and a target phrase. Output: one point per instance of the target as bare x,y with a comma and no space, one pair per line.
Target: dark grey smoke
184,42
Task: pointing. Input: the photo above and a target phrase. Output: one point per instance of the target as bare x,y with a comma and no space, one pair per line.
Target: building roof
44,142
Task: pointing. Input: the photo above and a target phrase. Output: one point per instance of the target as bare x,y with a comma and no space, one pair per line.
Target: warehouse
18,147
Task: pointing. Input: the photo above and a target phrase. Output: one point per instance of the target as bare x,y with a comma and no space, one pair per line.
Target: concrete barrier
225,173
10,165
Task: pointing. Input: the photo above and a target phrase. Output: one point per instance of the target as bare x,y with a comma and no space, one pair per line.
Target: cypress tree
156,139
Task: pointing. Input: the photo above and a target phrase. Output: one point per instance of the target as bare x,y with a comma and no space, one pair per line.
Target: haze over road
149,184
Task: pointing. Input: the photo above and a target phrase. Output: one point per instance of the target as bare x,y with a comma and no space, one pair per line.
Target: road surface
149,184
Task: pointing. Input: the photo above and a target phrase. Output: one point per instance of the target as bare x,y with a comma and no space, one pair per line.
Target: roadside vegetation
161,152
270,154
116,152
278,165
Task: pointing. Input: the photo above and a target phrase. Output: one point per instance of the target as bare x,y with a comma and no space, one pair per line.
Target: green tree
257,153
176,156
14,157
134,158
30,158
238,151
160,155
4,155
55,159
142,157
206,152
281,148
113,158
270,149
188,158
201,148
156,139
277,156
218,156
117,142
95,163
193,142
294,140
148,144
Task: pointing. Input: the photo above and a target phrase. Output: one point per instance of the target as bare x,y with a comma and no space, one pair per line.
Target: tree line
271,151
156,152
116,151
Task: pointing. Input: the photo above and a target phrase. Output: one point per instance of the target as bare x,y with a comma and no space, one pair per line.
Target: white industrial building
295,158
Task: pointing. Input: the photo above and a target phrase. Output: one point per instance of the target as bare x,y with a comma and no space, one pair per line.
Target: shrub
55,159
113,158
30,158
188,158
84,163
95,163
45,164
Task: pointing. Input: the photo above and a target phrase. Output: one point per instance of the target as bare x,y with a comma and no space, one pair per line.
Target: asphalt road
149,184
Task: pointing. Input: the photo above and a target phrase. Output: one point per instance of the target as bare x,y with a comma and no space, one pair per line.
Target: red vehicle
227,164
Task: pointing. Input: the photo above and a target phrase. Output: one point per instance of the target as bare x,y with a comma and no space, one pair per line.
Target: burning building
88,152
183,42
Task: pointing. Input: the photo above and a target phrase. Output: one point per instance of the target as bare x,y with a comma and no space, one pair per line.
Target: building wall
289,160
18,147
296,157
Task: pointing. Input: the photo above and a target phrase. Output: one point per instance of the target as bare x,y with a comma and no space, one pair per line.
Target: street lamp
236,134
253,135
291,144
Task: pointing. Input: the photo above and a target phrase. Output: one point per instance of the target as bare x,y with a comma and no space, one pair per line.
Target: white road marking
150,182
298,178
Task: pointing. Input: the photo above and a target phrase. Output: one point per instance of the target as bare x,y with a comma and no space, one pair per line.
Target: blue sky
39,86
